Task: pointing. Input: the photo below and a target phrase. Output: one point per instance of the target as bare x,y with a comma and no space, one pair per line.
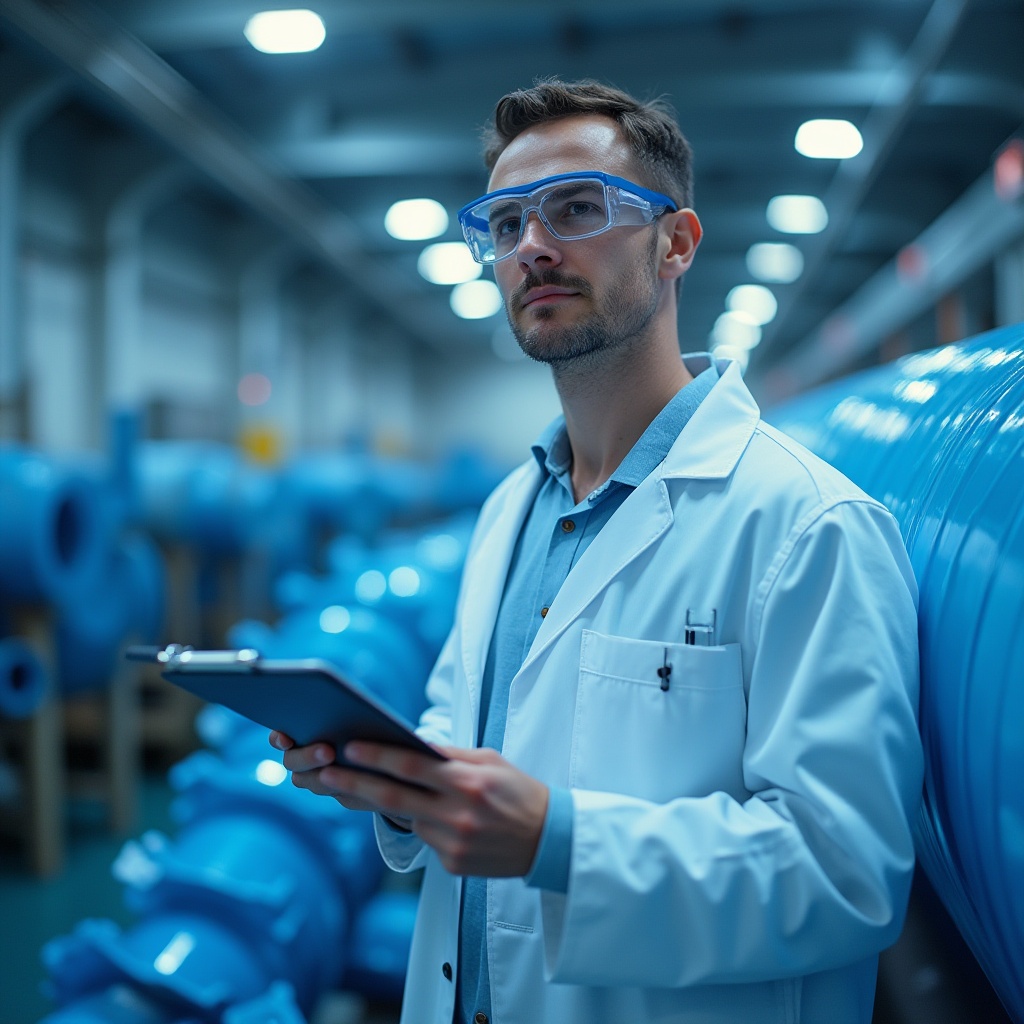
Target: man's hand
481,814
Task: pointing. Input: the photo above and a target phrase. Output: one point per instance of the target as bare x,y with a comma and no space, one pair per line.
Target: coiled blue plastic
938,437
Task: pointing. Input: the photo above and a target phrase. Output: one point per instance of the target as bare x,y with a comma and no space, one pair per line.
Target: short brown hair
650,128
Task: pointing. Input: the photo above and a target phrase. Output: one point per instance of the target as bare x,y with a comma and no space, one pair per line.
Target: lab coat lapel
641,519
708,448
484,587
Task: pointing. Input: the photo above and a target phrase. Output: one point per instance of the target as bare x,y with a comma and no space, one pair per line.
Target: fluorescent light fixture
778,262
797,215
736,330
448,263
734,352
416,219
754,300
297,31
828,139
476,300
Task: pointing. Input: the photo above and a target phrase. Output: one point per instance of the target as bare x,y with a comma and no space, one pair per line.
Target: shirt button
543,612
479,1018
446,970
568,526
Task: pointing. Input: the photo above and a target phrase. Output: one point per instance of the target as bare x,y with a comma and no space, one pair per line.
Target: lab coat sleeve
812,871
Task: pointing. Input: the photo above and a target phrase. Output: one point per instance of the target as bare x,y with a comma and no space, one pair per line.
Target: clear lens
569,210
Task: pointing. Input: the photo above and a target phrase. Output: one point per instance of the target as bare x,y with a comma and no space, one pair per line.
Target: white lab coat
741,842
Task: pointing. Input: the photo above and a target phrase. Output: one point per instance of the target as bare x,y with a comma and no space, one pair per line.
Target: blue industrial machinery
267,897
22,678
939,438
54,527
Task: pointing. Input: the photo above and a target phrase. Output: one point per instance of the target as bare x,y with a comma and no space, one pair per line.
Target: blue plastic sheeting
22,679
55,524
939,438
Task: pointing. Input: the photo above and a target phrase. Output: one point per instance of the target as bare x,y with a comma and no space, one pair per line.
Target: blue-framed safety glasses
570,206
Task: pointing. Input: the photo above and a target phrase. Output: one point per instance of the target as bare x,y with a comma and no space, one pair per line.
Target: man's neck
609,405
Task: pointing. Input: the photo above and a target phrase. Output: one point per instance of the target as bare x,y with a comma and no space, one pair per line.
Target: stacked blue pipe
267,897
939,438
251,913
65,548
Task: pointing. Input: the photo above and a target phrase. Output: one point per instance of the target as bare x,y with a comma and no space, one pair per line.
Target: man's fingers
406,765
304,759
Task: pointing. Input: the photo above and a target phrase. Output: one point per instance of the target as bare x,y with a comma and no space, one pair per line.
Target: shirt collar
554,454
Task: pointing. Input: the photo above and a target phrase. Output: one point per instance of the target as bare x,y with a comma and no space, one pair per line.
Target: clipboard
308,698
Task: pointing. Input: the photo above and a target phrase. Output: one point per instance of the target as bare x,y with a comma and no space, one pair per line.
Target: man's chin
557,347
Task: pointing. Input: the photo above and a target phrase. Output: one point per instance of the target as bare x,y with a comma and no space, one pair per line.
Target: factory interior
254,390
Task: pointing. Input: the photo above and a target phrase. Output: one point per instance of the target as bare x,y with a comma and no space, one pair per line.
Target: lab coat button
446,970
568,526
543,612
480,1018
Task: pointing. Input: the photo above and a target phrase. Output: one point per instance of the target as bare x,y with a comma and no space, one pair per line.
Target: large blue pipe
939,438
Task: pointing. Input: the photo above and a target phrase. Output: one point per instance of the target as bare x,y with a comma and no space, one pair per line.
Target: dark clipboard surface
306,698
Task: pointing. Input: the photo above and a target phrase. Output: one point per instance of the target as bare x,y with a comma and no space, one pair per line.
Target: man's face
569,300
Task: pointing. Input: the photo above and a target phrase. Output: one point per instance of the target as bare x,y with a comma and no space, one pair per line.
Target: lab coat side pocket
635,736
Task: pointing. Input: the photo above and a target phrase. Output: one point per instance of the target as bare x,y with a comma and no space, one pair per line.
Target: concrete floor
928,977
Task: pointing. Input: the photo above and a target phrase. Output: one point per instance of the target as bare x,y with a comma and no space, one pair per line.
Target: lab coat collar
718,432
708,448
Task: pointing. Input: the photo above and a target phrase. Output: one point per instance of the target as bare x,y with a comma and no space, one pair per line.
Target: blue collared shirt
556,532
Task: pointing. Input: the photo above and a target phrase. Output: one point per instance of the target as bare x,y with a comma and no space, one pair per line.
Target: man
679,698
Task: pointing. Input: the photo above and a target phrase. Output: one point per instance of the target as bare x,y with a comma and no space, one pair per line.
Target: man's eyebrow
574,188
500,209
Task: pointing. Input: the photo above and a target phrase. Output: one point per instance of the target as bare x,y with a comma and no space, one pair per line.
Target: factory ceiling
390,107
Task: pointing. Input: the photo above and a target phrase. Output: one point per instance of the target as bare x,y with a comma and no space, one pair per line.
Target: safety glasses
570,206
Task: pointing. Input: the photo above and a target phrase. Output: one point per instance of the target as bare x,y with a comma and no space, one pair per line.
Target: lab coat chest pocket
632,736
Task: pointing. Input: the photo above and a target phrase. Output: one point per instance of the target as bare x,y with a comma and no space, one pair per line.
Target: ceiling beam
881,129
143,86
975,229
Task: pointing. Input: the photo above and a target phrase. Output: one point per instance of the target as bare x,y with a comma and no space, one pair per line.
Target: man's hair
650,128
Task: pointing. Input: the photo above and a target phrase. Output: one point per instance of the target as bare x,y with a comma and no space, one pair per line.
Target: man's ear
684,236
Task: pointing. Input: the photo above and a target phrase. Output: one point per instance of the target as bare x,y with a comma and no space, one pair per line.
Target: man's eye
508,226
579,209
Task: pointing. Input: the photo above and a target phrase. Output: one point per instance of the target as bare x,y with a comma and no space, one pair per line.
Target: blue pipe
939,438
55,525
22,679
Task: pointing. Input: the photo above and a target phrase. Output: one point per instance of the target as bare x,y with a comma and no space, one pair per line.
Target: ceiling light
733,352
754,300
296,31
448,263
736,330
416,219
476,300
797,215
779,262
826,139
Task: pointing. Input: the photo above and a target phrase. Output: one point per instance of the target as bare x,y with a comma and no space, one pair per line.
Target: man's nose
537,244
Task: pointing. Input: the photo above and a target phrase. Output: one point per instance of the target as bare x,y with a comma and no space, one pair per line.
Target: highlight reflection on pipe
939,438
